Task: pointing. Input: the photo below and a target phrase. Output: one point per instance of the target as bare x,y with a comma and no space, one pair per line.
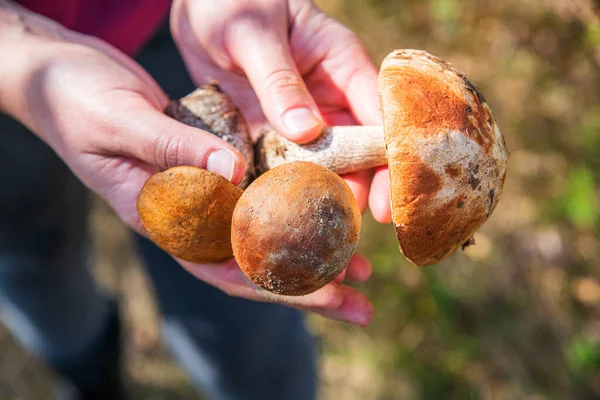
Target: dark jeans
231,348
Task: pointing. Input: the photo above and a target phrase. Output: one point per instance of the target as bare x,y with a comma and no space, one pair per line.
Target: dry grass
515,317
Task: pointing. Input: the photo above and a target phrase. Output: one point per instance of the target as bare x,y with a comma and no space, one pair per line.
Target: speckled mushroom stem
211,110
342,149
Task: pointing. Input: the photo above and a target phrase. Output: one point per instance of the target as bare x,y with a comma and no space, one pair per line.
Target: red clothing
126,24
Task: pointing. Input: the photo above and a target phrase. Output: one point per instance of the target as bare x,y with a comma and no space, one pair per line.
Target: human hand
289,62
103,115
272,57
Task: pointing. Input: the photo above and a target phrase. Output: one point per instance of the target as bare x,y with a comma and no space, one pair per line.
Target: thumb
269,66
164,142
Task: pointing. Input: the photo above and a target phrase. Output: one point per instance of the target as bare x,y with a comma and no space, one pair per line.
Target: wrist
28,39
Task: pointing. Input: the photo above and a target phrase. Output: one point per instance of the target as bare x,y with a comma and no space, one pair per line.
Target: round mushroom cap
295,228
187,212
446,156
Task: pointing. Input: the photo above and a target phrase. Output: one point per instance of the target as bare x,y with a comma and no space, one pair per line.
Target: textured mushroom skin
187,212
211,110
447,158
295,228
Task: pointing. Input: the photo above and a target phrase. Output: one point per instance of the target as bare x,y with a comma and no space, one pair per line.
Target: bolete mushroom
187,210
446,155
295,228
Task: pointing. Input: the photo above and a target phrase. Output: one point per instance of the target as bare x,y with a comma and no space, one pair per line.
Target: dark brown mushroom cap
447,158
295,228
187,212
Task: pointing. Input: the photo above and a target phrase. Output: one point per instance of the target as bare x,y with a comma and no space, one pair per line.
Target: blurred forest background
515,317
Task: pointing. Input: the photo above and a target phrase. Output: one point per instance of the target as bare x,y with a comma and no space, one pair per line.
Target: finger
359,269
379,196
336,116
355,308
359,184
340,278
262,52
361,83
350,69
333,300
230,278
151,136
361,92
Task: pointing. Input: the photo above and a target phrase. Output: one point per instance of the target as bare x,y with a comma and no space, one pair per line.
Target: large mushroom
446,156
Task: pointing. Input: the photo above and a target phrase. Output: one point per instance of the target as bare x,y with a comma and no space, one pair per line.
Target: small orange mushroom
187,212
295,228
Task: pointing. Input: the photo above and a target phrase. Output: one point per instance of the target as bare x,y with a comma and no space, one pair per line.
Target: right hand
279,57
103,115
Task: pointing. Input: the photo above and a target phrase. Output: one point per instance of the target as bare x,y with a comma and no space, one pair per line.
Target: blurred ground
515,317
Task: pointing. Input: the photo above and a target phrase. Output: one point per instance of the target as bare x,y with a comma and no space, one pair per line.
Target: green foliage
583,356
593,34
445,10
580,200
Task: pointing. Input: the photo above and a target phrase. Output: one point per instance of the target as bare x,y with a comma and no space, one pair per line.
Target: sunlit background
515,317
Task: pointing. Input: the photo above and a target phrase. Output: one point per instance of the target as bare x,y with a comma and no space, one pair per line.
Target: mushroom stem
209,109
342,149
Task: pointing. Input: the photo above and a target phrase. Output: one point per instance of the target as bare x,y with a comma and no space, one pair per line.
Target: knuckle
282,81
352,37
167,151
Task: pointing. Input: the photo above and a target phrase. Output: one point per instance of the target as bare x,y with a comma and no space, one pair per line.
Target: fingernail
368,316
221,162
300,120
362,318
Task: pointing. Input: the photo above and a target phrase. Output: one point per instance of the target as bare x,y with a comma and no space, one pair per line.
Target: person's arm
17,29
103,115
